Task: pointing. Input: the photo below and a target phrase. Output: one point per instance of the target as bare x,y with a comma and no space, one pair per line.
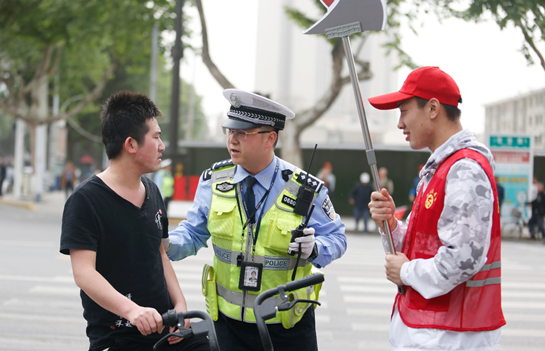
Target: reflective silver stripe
224,174
490,266
235,298
269,262
225,255
480,283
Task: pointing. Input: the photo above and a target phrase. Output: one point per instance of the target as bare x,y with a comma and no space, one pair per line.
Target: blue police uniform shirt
192,234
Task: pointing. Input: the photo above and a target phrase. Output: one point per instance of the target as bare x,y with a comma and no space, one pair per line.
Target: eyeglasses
240,134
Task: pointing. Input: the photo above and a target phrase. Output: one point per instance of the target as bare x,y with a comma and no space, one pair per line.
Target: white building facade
295,70
522,114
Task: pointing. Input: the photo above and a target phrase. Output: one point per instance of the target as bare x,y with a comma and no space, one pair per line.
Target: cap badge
235,100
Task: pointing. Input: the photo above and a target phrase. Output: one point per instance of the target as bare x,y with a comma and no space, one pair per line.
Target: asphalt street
40,308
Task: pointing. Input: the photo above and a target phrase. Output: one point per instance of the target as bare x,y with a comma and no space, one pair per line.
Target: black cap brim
238,124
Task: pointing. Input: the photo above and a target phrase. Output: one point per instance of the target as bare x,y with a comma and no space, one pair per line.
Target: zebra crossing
359,299
40,307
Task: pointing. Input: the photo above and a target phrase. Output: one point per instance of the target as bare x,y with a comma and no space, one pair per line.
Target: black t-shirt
127,241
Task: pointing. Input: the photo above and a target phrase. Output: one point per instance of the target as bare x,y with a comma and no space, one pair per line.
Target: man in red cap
448,255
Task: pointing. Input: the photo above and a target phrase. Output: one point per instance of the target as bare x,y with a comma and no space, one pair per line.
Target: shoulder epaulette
207,174
222,164
313,182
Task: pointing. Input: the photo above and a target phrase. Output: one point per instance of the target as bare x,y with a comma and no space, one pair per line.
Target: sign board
344,17
514,157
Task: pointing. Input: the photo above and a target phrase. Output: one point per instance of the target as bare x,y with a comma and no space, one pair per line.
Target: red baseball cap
425,82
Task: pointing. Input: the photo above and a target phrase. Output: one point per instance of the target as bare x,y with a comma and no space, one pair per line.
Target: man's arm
192,234
175,292
88,279
329,231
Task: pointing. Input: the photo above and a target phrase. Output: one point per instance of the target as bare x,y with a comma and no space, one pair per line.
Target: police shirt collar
264,177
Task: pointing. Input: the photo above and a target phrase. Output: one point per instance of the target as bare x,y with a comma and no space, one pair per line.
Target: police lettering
270,263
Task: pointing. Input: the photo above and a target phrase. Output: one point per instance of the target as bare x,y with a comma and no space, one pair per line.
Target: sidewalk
53,203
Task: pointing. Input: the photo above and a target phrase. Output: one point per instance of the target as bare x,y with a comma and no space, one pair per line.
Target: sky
484,61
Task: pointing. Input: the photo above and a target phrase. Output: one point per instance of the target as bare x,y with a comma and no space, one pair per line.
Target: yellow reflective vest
225,224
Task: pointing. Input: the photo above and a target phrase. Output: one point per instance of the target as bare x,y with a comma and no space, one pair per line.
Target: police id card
250,276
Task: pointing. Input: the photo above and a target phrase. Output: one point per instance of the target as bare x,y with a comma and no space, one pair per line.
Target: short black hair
453,112
125,115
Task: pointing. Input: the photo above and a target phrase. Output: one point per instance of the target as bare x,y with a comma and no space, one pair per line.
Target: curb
23,204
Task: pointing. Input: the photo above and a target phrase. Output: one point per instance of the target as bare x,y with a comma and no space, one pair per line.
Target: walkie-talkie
305,196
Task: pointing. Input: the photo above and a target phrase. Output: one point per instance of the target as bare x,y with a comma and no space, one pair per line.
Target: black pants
240,336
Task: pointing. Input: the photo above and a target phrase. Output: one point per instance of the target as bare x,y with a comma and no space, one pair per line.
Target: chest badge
224,187
430,199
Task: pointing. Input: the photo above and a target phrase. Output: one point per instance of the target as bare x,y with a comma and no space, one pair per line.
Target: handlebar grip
170,318
312,279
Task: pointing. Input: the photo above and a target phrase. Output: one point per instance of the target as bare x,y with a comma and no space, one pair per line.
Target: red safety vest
471,306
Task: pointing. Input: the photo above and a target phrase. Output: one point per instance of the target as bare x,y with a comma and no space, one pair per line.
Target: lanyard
256,207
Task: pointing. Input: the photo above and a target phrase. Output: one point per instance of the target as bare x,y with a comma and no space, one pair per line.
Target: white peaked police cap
249,110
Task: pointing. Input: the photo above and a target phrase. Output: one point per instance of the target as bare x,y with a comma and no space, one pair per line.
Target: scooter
205,327
266,310
262,311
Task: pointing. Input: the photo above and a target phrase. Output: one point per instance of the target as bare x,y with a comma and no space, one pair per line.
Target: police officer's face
250,151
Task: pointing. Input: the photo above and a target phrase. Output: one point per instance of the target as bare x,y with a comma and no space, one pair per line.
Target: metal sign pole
369,151
343,18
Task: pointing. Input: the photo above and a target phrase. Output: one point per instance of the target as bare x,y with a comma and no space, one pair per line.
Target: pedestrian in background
360,196
326,175
165,181
532,222
538,212
449,251
416,180
112,228
2,174
68,178
385,182
501,191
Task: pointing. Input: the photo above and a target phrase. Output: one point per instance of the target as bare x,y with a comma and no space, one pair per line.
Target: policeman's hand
393,267
166,244
146,319
382,208
306,241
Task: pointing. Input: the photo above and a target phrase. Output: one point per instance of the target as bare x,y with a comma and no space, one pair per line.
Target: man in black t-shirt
112,228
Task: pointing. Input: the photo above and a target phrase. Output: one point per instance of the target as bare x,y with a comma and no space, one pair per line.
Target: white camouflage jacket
464,226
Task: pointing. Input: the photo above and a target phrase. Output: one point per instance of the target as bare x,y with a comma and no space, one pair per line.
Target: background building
521,114
295,69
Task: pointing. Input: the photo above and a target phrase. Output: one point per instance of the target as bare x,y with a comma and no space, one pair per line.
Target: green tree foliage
81,40
526,15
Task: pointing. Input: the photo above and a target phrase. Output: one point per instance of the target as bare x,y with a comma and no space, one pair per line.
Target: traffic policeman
249,205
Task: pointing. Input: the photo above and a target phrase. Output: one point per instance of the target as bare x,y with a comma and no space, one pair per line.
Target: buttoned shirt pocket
222,218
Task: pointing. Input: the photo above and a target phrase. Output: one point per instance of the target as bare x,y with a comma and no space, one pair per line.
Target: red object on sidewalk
400,212
185,188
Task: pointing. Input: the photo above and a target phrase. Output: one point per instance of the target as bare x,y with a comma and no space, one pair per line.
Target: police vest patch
289,201
328,209
225,187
